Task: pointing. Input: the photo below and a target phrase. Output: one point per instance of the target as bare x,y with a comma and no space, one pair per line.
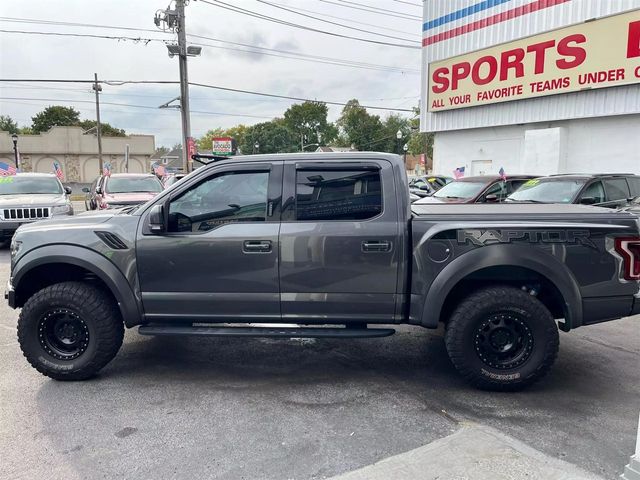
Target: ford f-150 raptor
330,243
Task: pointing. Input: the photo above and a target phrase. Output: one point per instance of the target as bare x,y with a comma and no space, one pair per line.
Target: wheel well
51,273
518,277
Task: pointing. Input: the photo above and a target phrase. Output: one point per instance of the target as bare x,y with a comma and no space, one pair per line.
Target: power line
350,20
250,13
286,9
259,50
378,8
402,16
203,85
221,114
409,3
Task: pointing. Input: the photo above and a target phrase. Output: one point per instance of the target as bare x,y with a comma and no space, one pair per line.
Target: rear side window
338,194
634,184
616,188
594,191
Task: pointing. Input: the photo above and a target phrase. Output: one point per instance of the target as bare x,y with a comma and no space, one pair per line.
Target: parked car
427,185
311,239
479,189
121,190
27,197
607,190
172,178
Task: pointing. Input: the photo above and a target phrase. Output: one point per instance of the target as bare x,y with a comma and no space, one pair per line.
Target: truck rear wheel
69,331
502,338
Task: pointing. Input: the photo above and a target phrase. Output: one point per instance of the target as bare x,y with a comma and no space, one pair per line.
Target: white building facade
532,86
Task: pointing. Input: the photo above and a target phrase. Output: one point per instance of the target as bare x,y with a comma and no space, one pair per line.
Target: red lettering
458,72
579,54
540,50
636,72
493,70
512,59
441,80
633,45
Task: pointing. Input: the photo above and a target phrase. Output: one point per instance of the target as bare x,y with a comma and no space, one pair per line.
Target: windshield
547,191
460,190
133,184
14,185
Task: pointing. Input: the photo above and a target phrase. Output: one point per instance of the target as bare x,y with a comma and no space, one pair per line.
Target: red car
121,190
480,189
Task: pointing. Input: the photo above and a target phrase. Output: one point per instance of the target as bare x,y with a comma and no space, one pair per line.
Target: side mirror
425,187
85,189
491,198
587,200
99,190
156,219
67,190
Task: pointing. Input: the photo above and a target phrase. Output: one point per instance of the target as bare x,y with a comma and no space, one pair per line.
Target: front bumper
10,294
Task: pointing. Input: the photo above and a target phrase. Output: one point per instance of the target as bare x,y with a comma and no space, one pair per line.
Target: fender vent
111,240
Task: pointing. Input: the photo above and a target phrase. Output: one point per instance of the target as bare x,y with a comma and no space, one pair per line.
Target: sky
390,78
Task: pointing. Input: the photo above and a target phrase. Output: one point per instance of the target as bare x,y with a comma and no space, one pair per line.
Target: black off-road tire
489,310
96,320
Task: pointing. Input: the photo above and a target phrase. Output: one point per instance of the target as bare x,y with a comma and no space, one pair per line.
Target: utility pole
184,87
174,20
98,88
126,158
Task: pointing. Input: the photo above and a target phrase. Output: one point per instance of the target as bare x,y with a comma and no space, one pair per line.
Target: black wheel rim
63,334
503,340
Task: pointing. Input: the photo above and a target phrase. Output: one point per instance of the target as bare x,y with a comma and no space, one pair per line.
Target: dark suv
606,190
479,189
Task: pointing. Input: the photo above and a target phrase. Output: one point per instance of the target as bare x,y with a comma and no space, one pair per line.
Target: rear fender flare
504,255
100,266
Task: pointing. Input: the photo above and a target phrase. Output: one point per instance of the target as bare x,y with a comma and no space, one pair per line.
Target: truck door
339,242
218,259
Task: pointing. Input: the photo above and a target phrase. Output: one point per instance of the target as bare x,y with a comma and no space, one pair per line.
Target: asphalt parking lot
237,408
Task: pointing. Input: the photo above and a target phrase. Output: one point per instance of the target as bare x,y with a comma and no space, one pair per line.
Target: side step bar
286,332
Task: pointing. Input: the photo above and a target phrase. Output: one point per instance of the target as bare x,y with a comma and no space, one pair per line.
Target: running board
287,332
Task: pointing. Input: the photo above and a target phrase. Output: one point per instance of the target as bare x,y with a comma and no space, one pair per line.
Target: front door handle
256,246
376,246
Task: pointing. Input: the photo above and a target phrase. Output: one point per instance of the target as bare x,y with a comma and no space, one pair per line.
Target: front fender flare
100,266
504,255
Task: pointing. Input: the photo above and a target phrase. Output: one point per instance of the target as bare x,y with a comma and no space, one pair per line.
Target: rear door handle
256,246
376,246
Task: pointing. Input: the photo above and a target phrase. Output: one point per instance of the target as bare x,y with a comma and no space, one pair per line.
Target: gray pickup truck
330,244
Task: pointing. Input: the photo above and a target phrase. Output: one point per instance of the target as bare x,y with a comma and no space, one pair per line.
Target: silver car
27,197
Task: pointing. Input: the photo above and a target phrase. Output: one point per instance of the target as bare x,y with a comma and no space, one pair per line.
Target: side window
617,189
338,195
634,184
594,190
499,189
230,197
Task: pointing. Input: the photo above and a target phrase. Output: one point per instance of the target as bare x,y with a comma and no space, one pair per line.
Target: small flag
106,169
423,159
58,171
502,174
458,172
6,169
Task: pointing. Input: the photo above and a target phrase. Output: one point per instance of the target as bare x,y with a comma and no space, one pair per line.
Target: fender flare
504,255
130,308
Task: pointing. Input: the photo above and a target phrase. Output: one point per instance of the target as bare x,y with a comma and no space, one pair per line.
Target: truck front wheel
70,330
502,338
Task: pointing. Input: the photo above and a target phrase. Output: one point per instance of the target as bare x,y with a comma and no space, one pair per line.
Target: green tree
308,122
55,115
420,143
25,131
7,124
359,128
272,137
105,129
162,150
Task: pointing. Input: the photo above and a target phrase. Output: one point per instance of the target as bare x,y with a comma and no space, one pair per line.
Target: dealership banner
595,54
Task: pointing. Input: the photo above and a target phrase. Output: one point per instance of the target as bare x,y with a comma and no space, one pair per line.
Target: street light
256,146
14,137
405,148
398,137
